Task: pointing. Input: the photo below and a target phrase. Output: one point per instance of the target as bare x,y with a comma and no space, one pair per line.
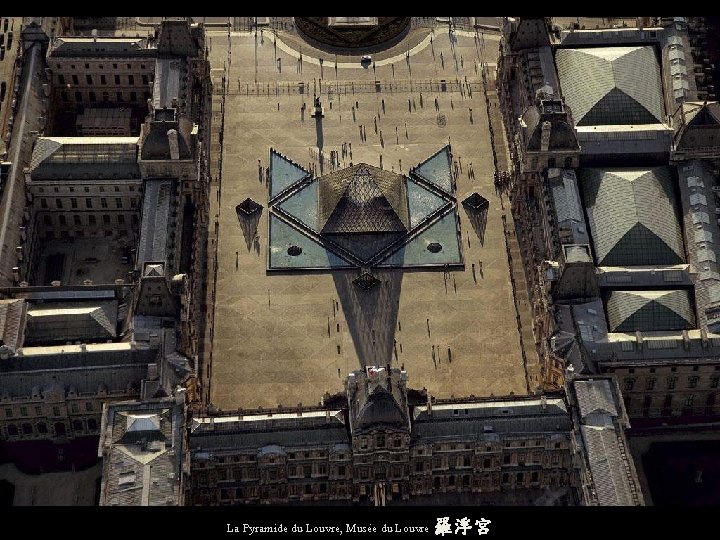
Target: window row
114,66
145,79
105,97
87,189
670,382
77,220
38,410
61,203
59,428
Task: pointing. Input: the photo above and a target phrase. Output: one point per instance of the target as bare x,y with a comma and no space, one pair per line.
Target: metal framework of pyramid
366,281
362,216
248,207
476,202
369,202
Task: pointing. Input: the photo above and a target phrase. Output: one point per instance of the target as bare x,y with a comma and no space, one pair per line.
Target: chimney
173,140
569,373
429,404
545,136
543,403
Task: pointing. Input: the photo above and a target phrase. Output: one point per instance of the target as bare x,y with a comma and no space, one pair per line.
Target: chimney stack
545,136
174,147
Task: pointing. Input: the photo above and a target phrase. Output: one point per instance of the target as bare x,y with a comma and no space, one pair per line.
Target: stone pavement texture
288,338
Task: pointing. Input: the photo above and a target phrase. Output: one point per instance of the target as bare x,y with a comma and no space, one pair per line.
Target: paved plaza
285,338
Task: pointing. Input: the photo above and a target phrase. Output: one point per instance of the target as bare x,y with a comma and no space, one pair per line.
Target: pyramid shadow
478,220
371,315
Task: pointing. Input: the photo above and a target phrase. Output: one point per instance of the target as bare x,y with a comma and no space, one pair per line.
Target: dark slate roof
562,134
503,416
699,126
101,47
609,468
176,39
253,441
252,432
60,158
156,143
362,199
381,408
86,321
168,83
154,244
11,323
377,397
115,379
701,113
613,479
142,450
633,216
595,396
